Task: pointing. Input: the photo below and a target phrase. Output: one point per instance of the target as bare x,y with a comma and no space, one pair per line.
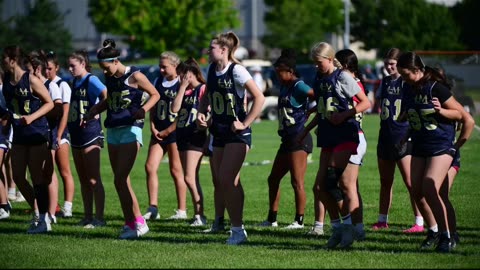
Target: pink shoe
414,229
379,226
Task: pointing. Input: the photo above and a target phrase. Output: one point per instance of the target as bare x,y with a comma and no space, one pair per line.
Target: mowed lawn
174,244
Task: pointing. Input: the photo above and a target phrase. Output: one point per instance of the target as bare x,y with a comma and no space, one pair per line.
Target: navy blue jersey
292,116
431,133
226,104
329,101
162,111
80,103
391,96
187,115
21,101
123,101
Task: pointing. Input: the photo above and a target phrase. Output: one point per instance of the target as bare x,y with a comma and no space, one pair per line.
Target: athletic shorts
99,141
194,142
245,138
124,135
290,144
361,150
394,152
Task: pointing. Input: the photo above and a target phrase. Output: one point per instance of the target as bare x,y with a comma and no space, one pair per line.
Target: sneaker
335,238
316,231
53,219
20,197
237,237
199,221
444,244
347,236
431,240
294,226
152,213
179,214
414,229
95,223
129,233
267,223
42,226
84,222
58,210
4,213
217,227
359,235
65,213
379,226
455,238
12,197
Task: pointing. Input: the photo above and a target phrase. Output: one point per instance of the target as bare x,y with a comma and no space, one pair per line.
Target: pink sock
130,224
140,220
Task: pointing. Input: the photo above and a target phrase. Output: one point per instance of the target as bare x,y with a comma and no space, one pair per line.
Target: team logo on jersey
170,93
325,87
22,92
392,90
224,83
190,100
81,92
421,99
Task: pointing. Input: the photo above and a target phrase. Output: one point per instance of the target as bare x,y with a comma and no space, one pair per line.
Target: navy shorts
291,144
394,152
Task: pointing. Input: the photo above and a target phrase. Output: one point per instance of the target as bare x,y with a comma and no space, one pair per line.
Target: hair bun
109,43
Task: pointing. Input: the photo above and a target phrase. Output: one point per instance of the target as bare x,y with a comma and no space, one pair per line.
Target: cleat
444,244
294,226
379,226
431,240
128,233
95,223
217,227
4,213
237,237
267,223
316,231
179,214
152,213
414,229
84,222
359,235
42,226
199,221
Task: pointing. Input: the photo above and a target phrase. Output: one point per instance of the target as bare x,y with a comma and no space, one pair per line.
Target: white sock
318,224
67,206
11,191
419,220
434,228
382,218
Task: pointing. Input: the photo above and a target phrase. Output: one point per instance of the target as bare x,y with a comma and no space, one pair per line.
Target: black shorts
393,151
195,142
290,144
245,138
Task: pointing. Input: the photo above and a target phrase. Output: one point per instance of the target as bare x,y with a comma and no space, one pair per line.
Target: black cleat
444,244
432,239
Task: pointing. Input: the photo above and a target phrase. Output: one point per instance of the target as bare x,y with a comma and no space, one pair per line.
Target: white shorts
361,150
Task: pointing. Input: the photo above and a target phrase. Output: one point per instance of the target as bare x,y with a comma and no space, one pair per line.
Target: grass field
173,244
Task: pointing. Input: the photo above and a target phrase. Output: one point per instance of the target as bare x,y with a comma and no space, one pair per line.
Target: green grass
175,245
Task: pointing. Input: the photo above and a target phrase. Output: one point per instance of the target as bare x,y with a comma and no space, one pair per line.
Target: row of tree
187,26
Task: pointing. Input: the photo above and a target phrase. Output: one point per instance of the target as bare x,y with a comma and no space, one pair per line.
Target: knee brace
333,175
